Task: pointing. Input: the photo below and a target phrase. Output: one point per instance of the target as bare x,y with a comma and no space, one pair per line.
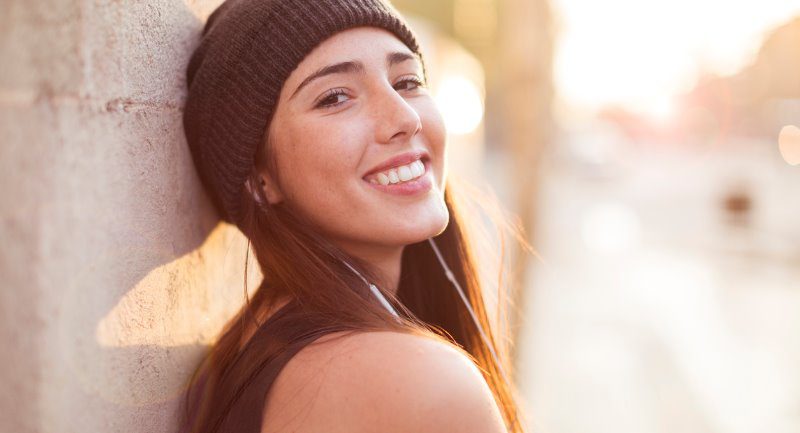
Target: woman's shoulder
380,381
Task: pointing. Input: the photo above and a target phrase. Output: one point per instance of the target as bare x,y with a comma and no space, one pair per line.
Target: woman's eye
416,82
338,96
331,100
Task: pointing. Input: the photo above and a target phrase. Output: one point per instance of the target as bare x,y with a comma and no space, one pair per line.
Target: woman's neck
385,261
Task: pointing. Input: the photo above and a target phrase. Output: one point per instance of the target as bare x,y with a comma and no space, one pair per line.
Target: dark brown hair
228,390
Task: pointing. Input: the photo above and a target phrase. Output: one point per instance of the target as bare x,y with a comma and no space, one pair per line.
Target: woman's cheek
329,159
432,119
435,132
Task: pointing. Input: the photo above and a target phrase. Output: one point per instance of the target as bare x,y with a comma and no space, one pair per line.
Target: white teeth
417,168
383,179
404,172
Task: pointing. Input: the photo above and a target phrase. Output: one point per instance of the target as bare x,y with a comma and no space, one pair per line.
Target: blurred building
755,101
762,96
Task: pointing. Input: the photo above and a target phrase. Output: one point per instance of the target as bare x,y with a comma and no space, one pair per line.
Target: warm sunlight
641,61
139,317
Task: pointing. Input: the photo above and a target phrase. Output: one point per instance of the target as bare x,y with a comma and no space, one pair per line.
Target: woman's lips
399,160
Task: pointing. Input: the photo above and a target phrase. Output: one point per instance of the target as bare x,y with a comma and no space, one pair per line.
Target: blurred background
650,150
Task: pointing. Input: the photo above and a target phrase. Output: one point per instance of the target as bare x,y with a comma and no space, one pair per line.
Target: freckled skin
322,153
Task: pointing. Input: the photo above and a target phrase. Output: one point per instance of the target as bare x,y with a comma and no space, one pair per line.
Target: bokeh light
461,104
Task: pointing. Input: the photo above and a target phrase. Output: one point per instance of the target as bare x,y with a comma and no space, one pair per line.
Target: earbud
256,196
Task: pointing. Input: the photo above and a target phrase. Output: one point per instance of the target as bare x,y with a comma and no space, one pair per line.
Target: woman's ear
270,188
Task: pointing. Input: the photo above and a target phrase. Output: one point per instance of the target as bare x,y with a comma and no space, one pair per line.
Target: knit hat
247,51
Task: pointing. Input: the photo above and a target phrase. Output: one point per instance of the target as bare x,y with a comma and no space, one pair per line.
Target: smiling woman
355,121
313,131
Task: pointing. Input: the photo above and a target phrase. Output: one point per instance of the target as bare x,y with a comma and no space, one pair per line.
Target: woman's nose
396,119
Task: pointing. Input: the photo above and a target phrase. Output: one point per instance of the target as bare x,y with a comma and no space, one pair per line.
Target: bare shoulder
381,382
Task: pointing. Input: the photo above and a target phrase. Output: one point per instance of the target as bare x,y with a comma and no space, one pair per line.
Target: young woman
313,131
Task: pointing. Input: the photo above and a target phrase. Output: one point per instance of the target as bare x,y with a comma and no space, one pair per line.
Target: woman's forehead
368,45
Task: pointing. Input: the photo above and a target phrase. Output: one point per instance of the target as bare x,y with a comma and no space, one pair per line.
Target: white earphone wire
375,291
449,274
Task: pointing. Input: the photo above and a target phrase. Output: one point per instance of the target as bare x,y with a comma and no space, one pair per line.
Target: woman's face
359,144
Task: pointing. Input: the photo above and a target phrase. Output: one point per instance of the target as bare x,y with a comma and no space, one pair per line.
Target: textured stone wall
114,271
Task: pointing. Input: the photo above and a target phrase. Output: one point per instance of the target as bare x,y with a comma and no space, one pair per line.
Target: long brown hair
228,390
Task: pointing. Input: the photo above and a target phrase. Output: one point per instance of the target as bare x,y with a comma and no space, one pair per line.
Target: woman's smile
404,174
411,179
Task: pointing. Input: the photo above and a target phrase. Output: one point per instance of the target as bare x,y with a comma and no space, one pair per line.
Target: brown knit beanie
247,51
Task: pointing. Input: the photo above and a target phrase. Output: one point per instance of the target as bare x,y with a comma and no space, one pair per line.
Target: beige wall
110,276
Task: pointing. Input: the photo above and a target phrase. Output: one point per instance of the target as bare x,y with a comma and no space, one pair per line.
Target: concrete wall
114,271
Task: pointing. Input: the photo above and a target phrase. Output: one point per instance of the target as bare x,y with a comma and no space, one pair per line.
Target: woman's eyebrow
352,66
399,57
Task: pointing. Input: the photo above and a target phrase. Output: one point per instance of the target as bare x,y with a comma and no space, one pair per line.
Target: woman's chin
423,228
